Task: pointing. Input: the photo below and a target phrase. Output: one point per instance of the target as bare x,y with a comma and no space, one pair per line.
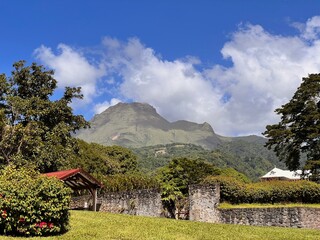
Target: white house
279,174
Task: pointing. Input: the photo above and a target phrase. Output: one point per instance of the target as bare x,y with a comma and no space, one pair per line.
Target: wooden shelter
78,179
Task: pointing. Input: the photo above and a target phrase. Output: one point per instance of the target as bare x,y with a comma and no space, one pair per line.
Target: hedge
31,204
128,182
234,191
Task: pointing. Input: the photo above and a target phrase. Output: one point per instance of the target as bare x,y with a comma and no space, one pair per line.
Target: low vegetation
97,226
235,191
128,182
31,204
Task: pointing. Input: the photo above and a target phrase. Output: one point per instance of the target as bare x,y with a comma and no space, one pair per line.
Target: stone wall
81,202
281,217
310,218
140,202
203,202
203,206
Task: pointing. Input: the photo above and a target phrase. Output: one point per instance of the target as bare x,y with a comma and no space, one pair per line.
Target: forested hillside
156,141
249,158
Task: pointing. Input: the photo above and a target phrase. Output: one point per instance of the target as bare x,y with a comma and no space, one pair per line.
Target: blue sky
229,63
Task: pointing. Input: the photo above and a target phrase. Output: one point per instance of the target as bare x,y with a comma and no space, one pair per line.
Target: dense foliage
114,166
34,128
31,204
231,190
235,191
128,182
230,172
180,173
248,157
102,160
298,132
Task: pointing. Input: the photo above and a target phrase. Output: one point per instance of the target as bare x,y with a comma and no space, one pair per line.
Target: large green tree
103,160
33,128
298,132
175,178
182,172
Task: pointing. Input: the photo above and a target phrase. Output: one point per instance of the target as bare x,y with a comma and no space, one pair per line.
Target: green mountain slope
252,159
139,125
155,140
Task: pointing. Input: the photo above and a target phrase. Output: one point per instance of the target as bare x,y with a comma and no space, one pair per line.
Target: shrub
231,189
128,182
31,204
231,172
285,191
235,191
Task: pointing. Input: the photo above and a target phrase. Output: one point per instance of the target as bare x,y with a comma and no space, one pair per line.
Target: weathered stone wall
81,202
281,217
310,218
203,206
284,217
203,201
141,202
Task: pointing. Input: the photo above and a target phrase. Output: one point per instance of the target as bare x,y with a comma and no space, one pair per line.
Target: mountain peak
138,124
134,105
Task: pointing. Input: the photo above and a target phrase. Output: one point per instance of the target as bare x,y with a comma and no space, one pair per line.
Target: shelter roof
77,179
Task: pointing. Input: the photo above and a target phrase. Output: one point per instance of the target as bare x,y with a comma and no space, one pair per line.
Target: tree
103,160
298,132
127,161
182,172
33,128
231,172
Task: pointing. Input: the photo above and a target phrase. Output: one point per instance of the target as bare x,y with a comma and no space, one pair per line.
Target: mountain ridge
155,140
139,124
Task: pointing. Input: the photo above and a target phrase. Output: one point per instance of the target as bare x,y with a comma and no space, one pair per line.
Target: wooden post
94,195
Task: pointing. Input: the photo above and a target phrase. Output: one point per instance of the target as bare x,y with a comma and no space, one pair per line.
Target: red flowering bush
31,204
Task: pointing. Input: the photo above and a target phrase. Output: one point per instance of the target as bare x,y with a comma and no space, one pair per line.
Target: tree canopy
33,128
182,172
103,160
298,132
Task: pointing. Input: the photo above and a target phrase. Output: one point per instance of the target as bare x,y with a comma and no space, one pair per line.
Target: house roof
77,179
279,173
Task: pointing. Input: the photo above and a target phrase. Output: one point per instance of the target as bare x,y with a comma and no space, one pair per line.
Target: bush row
31,204
128,182
234,191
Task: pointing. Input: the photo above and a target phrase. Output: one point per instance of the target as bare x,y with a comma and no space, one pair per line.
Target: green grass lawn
91,225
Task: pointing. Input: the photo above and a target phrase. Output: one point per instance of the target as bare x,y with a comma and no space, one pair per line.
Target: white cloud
266,71
176,88
71,69
311,29
237,100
